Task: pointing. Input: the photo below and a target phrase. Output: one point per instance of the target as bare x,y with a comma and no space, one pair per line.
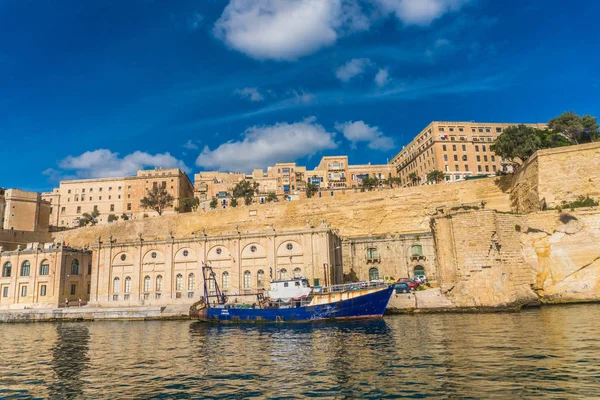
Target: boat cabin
289,289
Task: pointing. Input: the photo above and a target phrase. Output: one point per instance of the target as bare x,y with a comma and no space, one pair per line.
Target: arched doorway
373,274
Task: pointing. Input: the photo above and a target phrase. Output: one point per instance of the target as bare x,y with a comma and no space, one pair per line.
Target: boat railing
349,287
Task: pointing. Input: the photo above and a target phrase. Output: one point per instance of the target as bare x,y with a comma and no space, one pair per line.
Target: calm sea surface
552,352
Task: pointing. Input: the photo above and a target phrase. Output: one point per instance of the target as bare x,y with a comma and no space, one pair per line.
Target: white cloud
352,68
265,145
302,97
420,12
286,29
191,145
103,163
358,131
252,94
382,77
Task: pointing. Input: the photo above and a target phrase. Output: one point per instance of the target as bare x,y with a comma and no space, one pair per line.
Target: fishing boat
293,300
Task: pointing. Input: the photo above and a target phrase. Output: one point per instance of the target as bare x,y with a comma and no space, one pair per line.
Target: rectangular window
442,129
494,168
493,159
453,147
451,129
479,168
455,157
69,191
466,167
478,158
154,185
62,209
112,207
5,291
78,209
498,130
164,184
476,148
464,147
487,168
109,188
483,148
456,167
23,291
485,158
488,129
445,157
100,189
43,290
460,129
444,147
128,206
481,130
73,289
119,188
89,288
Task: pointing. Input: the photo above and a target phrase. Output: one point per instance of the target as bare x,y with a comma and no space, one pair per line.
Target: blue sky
102,88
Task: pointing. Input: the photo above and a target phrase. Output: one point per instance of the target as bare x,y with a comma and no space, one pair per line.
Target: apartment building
114,196
21,210
459,149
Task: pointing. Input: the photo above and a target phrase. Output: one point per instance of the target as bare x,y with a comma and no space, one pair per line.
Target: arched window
419,270
191,282
45,268
147,283
247,280
7,269
297,273
179,283
159,283
25,268
75,267
283,273
260,278
116,285
373,274
225,280
128,284
416,250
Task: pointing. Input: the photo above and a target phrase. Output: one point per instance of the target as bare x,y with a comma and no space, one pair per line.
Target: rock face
489,259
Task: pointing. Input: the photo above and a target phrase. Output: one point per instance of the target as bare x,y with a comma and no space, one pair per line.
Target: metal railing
349,287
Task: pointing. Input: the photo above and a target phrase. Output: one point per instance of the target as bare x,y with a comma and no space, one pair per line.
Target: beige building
24,211
169,272
43,276
459,149
114,196
395,255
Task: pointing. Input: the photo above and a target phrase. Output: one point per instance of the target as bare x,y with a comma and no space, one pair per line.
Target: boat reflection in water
294,301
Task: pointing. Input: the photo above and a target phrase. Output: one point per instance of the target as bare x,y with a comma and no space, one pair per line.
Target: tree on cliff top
435,176
414,178
578,129
213,203
157,199
89,218
246,190
311,189
516,144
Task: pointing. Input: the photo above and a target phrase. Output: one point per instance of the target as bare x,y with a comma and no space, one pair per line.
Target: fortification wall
11,239
554,175
401,210
489,259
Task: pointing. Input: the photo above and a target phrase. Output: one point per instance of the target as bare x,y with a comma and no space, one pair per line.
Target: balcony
418,258
373,259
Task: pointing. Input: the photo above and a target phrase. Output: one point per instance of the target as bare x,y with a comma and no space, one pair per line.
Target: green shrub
582,201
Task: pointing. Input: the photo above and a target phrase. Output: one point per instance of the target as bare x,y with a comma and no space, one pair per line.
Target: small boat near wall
294,301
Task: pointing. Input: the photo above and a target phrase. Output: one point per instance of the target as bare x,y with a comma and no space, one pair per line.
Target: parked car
410,283
421,278
389,280
401,287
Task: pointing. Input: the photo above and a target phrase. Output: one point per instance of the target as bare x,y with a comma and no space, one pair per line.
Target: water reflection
69,360
550,352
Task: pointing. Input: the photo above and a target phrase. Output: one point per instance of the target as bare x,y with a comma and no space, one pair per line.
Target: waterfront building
24,211
43,276
169,272
114,196
459,149
394,255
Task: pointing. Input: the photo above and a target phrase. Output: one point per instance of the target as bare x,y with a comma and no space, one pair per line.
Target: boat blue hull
370,305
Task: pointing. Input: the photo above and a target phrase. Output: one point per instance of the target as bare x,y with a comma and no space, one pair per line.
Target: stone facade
43,277
116,196
24,211
459,149
169,272
396,256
